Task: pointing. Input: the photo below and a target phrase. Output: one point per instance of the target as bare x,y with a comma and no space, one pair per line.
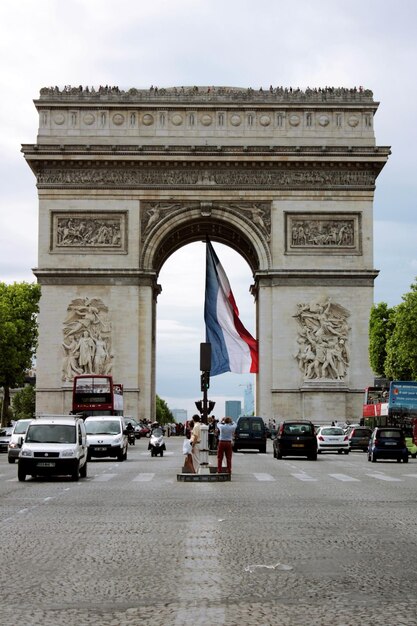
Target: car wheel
75,476
339,451
413,456
405,459
235,448
21,475
313,457
262,449
373,457
83,470
162,453
346,451
12,460
279,455
121,456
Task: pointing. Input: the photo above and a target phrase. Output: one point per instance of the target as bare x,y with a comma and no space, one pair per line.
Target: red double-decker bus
94,394
375,403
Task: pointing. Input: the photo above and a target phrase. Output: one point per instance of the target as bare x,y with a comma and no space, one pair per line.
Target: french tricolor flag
233,349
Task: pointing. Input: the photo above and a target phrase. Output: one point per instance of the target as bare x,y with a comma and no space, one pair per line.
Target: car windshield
111,427
361,432
51,433
21,428
157,432
298,429
390,434
331,431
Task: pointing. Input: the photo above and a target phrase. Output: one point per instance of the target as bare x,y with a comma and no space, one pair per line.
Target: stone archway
285,178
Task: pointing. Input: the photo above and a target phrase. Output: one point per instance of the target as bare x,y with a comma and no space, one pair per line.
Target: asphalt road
289,542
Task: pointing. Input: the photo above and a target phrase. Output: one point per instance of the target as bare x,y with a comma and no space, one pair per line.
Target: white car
332,439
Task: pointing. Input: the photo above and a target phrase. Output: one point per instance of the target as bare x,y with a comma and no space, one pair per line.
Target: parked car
250,434
387,443
411,447
144,430
295,438
19,430
5,436
332,439
359,438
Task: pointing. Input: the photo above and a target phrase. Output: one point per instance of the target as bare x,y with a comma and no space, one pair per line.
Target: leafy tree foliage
401,360
381,324
19,305
24,402
163,414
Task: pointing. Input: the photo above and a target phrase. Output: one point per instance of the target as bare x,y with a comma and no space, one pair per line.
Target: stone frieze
211,177
324,231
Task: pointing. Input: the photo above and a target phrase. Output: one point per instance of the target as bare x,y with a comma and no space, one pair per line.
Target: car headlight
117,441
26,453
13,445
69,452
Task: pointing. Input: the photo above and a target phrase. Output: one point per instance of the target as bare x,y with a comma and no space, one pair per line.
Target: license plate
298,445
390,443
100,449
242,435
46,464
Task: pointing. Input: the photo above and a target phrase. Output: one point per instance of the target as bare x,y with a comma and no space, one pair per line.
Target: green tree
24,402
381,325
163,414
401,360
19,305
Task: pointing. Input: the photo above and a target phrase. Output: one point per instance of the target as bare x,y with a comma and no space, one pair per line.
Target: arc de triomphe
285,177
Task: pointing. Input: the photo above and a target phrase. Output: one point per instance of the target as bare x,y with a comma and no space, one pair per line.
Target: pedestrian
226,429
195,442
188,460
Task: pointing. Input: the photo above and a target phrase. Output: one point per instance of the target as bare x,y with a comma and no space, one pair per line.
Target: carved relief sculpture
87,339
323,352
323,232
83,230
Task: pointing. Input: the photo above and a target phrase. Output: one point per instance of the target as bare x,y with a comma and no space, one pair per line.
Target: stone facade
284,177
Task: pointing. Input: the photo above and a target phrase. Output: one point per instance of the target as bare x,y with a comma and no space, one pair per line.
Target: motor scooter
131,437
156,442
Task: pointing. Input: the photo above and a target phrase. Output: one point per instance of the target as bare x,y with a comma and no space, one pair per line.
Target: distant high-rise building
233,409
248,401
180,415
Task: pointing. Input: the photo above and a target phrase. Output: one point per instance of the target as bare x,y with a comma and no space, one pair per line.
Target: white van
106,436
54,445
19,431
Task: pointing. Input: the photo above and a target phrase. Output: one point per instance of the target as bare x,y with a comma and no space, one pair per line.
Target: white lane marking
104,477
48,498
385,477
345,478
304,477
143,478
264,477
410,475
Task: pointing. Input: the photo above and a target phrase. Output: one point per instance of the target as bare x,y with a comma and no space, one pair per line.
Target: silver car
5,435
19,430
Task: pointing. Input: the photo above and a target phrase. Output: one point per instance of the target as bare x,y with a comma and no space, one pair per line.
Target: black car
359,437
251,434
296,438
387,442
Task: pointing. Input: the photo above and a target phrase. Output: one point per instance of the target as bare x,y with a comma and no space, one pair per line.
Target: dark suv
296,438
387,443
359,438
250,433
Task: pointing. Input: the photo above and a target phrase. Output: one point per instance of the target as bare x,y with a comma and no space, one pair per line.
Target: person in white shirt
226,429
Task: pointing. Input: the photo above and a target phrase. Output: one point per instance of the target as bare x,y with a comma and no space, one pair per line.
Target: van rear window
389,434
298,429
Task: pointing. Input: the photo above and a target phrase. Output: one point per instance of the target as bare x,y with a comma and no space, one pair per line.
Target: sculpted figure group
87,339
323,351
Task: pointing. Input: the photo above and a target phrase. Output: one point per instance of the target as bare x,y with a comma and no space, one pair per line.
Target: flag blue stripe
214,334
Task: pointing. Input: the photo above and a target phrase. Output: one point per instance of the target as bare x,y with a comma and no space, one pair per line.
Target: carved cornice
315,277
96,276
206,94
186,175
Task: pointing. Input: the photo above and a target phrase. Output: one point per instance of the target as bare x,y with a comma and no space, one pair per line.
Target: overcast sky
132,43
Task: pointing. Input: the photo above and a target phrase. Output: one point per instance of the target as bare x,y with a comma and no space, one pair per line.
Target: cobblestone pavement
290,542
